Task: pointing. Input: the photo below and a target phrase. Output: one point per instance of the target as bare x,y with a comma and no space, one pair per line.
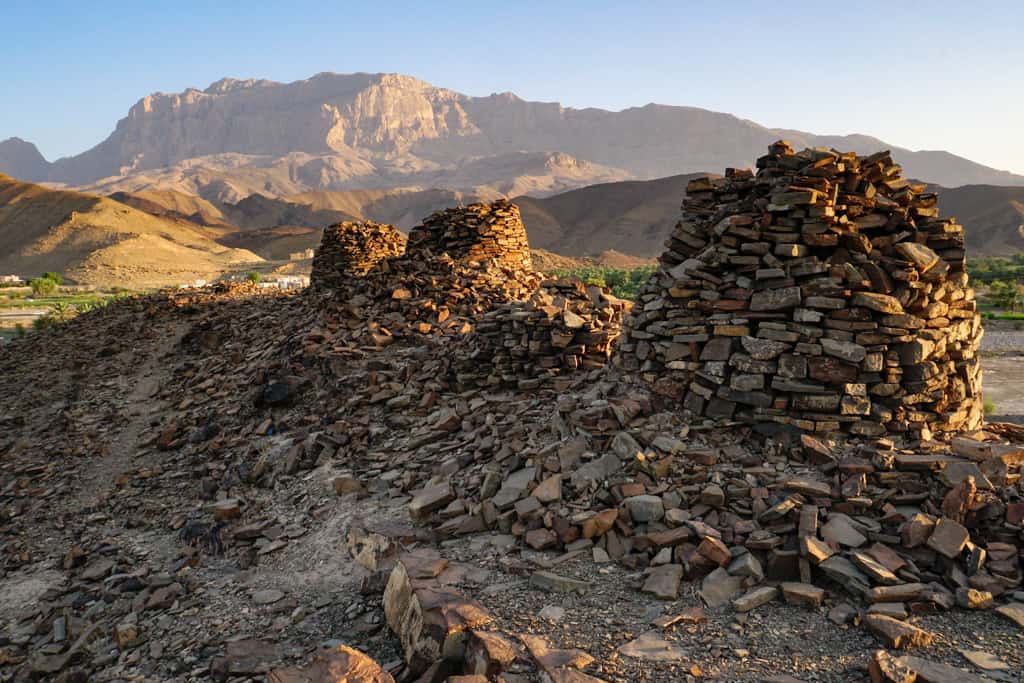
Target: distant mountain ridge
636,217
385,131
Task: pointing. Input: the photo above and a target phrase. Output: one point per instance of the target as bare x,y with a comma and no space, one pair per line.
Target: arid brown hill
632,217
95,240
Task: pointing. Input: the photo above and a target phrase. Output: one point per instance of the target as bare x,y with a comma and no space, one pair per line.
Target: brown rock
339,665
600,523
948,538
897,634
663,582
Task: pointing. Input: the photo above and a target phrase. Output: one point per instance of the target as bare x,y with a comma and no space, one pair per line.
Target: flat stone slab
719,586
652,647
550,581
1014,612
755,598
663,582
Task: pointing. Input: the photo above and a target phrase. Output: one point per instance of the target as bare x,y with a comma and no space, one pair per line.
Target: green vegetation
625,283
988,315
989,269
999,280
988,407
77,300
42,322
254,277
1005,295
43,286
61,305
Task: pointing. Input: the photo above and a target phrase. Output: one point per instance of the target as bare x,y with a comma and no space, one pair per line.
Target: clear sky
923,75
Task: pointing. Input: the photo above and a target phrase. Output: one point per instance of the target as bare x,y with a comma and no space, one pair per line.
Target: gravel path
1002,338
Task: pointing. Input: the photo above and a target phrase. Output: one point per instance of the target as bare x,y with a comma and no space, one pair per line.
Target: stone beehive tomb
479,232
824,292
350,248
467,277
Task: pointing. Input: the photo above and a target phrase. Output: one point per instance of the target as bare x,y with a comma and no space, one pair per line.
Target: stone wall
474,233
824,292
564,325
350,248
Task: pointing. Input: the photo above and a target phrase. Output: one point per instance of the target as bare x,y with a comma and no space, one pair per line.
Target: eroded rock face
824,292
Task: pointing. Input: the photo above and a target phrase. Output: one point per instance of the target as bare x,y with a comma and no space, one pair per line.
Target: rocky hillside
95,240
360,131
632,217
209,485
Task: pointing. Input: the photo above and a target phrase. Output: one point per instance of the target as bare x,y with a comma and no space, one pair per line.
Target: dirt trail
134,399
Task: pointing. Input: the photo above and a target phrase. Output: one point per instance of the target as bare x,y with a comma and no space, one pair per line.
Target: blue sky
923,75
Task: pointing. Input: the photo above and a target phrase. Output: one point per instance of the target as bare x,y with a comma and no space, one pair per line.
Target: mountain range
340,132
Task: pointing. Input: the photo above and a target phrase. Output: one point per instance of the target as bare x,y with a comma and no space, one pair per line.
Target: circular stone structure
822,292
351,248
478,232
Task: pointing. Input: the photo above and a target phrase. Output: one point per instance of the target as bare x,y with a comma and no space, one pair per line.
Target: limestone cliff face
377,115
388,130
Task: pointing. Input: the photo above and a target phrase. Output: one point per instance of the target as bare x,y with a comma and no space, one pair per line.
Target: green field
47,301
625,283
20,311
990,269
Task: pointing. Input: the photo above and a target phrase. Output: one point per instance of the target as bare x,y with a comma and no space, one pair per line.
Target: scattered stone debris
397,478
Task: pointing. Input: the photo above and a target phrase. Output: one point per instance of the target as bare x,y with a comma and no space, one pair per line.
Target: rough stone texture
348,249
824,292
478,232
467,274
340,665
563,325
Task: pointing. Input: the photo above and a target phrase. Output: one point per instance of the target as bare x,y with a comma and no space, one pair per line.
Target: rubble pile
475,233
564,325
421,301
175,482
823,292
466,278
349,248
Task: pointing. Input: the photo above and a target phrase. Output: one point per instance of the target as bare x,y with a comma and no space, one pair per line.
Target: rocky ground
186,478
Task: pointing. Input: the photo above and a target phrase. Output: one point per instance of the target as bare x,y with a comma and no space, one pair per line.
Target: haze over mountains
385,131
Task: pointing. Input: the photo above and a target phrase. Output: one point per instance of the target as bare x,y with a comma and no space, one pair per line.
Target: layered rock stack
467,277
564,325
475,233
350,248
824,292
